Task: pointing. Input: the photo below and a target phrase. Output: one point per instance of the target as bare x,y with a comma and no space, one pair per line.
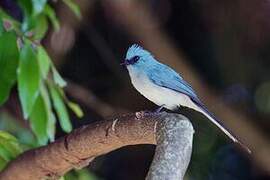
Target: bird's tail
201,108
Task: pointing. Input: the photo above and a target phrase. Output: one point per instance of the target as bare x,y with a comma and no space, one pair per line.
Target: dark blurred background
221,47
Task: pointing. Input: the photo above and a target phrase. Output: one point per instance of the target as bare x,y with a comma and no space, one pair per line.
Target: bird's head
137,56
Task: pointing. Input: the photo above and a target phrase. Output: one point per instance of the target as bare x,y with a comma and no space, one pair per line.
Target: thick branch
174,147
54,160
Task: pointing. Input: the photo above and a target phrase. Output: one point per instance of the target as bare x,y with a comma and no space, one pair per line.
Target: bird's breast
159,95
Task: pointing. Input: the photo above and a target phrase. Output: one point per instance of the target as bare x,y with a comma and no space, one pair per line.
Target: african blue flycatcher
163,86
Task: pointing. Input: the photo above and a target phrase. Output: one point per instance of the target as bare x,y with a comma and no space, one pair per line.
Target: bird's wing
164,76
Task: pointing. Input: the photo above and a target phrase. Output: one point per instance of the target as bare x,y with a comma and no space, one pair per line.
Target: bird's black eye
134,59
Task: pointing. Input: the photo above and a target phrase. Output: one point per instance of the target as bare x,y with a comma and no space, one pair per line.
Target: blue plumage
163,86
172,81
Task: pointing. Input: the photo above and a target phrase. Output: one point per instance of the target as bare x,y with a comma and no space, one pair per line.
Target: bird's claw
158,110
155,112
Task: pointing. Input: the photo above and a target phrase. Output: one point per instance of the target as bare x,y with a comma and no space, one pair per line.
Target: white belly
161,96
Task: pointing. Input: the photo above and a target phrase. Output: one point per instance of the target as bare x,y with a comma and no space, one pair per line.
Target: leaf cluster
26,65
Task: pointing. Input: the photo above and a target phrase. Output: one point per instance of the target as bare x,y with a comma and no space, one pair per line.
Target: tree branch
174,138
173,151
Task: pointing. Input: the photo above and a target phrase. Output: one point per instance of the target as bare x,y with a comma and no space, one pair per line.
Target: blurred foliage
25,64
82,174
228,164
22,133
262,97
9,148
217,38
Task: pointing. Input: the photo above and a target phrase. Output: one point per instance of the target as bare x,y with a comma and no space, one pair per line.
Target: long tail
201,108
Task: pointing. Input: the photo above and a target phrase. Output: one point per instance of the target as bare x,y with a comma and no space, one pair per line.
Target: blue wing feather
164,76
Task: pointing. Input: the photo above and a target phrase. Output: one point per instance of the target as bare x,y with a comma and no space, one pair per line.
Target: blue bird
163,86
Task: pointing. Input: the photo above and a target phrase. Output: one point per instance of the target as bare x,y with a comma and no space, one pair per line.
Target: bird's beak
125,63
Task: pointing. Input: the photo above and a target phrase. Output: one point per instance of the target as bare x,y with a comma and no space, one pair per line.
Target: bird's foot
155,112
158,110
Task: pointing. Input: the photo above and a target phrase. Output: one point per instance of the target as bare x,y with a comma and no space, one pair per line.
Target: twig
105,52
88,98
88,142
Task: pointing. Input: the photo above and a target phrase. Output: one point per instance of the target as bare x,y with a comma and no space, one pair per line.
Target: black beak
125,63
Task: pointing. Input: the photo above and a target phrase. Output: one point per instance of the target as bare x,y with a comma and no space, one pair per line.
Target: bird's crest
137,50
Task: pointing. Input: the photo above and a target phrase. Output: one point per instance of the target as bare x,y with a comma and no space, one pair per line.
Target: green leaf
9,146
49,11
4,153
74,7
7,136
75,108
60,108
1,26
9,56
81,174
4,15
28,79
44,61
38,6
58,79
25,137
41,27
84,174
12,147
26,6
7,24
51,127
38,121
51,118
3,163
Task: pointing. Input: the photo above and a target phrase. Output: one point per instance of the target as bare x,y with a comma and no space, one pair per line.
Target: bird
163,86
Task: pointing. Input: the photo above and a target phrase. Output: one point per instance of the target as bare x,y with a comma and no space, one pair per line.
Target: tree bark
173,151
172,133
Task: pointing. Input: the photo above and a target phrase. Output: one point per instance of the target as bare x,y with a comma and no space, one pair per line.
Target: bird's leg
155,112
159,109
